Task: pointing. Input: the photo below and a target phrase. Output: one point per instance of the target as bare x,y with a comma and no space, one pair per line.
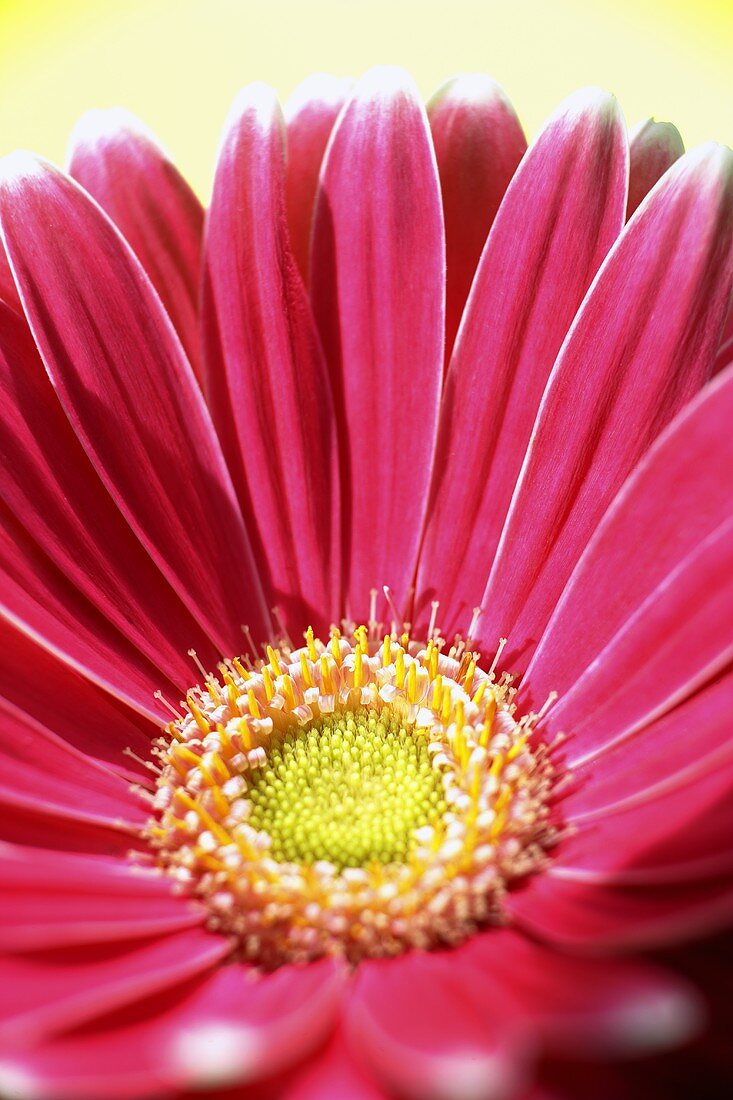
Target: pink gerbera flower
366,617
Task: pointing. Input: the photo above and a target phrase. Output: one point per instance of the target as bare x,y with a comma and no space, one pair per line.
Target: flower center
350,788
354,797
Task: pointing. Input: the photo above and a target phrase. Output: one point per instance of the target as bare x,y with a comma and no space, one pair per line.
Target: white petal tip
652,132
259,102
470,88
384,82
99,125
321,88
662,1023
587,101
20,165
216,1054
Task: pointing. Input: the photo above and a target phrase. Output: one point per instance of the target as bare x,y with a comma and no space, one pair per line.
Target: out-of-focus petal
432,1031
378,286
310,114
654,147
587,1007
271,392
53,899
642,345
333,1074
229,1028
597,916
49,991
46,480
478,142
129,393
561,214
119,162
673,511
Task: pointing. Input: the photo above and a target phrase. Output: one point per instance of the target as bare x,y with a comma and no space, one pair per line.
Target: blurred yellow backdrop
178,63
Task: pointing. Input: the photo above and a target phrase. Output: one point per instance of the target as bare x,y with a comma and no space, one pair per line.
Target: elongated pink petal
225,1029
561,214
584,1005
724,358
274,389
38,600
130,394
429,1029
48,483
582,916
377,280
669,752
654,147
333,1074
117,160
53,990
642,345
478,142
677,640
54,899
641,829
310,114
40,771
52,693
670,507
8,289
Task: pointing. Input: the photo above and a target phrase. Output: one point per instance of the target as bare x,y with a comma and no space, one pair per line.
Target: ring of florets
358,796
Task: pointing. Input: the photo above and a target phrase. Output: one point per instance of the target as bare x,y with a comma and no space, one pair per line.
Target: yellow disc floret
353,797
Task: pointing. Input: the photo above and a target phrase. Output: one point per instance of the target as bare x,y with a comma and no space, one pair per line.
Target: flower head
365,596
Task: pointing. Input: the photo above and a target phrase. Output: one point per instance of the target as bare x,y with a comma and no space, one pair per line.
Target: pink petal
50,991
378,290
38,600
119,162
271,396
310,114
583,916
54,899
724,358
654,146
584,1006
669,752
478,142
228,1028
68,704
561,214
48,483
333,1074
8,289
41,772
643,829
641,346
130,394
430,1029
673,511
677,640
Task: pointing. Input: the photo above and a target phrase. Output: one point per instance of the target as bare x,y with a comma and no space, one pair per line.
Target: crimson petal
478,142
561,214
271,395
377,279
641,346
119,162
129,393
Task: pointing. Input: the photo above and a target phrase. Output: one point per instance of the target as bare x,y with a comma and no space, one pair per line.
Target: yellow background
178,63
